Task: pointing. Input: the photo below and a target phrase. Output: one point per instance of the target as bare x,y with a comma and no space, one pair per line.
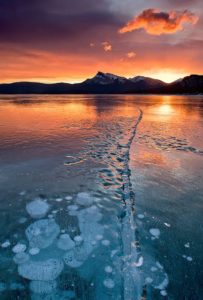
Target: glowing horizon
70,42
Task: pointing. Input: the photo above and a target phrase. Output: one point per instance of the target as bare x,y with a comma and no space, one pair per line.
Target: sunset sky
65,40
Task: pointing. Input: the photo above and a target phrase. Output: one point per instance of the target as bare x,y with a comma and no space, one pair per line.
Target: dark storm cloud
54,20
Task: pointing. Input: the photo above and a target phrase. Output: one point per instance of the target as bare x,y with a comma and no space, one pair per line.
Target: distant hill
106,83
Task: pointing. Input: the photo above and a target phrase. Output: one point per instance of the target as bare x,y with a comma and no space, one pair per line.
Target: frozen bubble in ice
148,280
19,248
78,239
73,207
6,244
58,199
34,251
187,245
154,269
71,261
189,258
68,198
73,213
167,224
2,287
42,233
37,209
22,220
43,287
109,283
105,242
159,265
21,258
47,270
155,232
92,214
108,269
65,242
163,293
163,284
140,216
84,199
99,237
22,193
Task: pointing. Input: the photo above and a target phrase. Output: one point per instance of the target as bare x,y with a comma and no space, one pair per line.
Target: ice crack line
132,281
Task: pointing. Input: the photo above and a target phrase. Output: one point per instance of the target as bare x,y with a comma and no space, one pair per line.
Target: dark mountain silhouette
106,83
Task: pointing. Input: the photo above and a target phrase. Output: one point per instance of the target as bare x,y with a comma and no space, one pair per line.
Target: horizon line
78,82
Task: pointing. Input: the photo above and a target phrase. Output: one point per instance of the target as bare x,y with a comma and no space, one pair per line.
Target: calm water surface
101,197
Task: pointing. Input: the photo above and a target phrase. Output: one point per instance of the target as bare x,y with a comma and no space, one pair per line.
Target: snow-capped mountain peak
106,78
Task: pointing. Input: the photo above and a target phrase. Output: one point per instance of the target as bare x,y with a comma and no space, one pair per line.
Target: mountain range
106,83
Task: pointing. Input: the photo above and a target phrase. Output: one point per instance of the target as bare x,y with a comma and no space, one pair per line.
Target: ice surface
42,233
37,209
47,270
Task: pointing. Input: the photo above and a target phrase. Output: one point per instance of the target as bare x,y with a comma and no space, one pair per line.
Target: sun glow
167,76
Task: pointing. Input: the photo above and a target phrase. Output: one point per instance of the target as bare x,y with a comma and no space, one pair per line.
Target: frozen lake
101,197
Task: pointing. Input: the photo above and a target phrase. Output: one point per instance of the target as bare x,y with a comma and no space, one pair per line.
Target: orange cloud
107,46
131,54
156,22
